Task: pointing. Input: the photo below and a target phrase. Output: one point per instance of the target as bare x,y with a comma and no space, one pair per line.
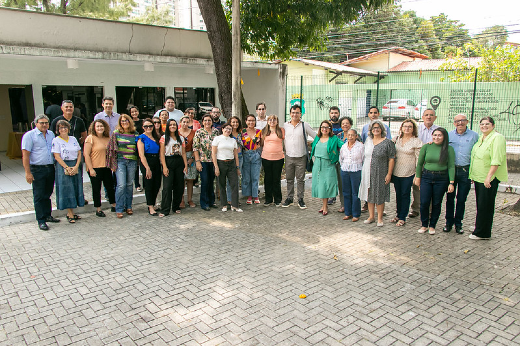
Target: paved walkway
213,278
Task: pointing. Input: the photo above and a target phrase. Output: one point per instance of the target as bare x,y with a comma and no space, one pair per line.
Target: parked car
420,108
398,109
204,107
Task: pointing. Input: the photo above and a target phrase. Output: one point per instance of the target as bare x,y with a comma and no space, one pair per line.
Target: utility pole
236,104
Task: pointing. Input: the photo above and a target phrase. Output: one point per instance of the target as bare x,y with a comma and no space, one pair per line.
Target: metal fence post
301,91
474,97
377,90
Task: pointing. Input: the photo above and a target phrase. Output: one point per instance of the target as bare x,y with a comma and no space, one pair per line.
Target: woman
173,160
325,150
435,173
202,152
192,123
69,177
488,168
150,164
345,124
122,159
236,134
191,172
95,160
407,148
351,162
225,160
134,113
164,116
272,159
377,171
252,160
158,126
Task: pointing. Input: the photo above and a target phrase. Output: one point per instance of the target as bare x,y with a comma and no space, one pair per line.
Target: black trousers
152,185
485,208
103,175
272,180
228,169
173,184
43,186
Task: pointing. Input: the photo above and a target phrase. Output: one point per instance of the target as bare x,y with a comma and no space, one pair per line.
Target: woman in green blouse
435,173
488,168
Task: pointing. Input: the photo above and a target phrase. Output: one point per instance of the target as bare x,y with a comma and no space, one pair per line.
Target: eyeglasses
272,119
156,122
261,109
407,127
460,121
325,128
376,128
43,122
147,126
124,121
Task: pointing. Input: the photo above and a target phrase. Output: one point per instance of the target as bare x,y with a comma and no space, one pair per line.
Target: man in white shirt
169,105
261,120
296,134
425,135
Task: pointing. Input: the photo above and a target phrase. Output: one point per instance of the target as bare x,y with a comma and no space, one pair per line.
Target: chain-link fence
400,95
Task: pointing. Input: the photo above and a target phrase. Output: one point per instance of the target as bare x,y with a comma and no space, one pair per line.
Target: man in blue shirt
334,120
112,118
462,140
38,163
215,115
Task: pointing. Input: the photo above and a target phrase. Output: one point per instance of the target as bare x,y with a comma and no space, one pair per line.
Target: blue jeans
433,188
350,186
251,173
125,180
42,186
455,215
228,187
403,188
207,177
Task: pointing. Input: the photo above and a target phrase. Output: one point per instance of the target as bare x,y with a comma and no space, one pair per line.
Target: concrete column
37,98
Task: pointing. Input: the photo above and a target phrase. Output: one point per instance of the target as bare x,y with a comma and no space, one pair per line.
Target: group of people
173,149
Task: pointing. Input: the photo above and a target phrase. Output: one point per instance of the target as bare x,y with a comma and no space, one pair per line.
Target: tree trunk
219,36
516,207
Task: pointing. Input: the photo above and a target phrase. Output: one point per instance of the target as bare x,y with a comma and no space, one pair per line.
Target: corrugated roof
337,67
398,50
430,64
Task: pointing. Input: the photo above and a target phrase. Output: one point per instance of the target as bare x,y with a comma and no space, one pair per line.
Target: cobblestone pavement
213,278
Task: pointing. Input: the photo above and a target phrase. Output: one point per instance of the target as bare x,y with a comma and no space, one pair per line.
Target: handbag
310,162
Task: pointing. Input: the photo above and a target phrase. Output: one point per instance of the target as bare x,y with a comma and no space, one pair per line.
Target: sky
475,14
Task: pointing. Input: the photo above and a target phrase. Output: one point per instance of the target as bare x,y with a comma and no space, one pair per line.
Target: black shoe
266,204
214,206
113,209
301,204
43,226
447,228
51,219
459,229
287,203
206,208
331,201
100,213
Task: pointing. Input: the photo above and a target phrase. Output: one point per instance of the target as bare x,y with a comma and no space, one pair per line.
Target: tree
107,9
492,37
273,29
152,15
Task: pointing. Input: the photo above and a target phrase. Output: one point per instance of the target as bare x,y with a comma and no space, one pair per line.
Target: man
462,140
53,111
296,134
108,115
334,120
38,164
77,126
373,114
425,132
169,105
215,115
261,120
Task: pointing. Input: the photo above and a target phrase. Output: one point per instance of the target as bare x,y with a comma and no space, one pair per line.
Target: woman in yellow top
488,168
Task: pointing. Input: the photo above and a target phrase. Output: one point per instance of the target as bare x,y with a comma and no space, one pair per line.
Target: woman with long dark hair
488,168
272,160
252,160
174,163
191,171
138,123
148,148
435,174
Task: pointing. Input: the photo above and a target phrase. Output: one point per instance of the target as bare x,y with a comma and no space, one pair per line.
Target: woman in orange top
272,160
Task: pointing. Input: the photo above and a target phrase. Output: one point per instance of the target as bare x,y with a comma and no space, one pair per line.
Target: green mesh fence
400,95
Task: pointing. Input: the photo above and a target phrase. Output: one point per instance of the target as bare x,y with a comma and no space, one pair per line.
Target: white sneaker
224,208
422,230
238,210
474,237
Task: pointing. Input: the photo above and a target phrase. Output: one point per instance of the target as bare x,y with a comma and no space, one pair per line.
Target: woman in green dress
325,153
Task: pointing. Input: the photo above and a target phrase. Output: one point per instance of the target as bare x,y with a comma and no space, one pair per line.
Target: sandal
355,219
71,219
191,204
77,217
162,215
400,223
347,217
177,212
341,210
119,215
394,220
129,211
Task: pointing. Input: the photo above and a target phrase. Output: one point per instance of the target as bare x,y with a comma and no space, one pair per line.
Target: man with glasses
38,163
462,140
108,114
169,105
215,115
425,131
261,120
296,134
77,126
373,114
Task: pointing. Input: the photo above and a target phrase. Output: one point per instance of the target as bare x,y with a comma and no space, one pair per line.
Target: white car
398,109
205,107
420,108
